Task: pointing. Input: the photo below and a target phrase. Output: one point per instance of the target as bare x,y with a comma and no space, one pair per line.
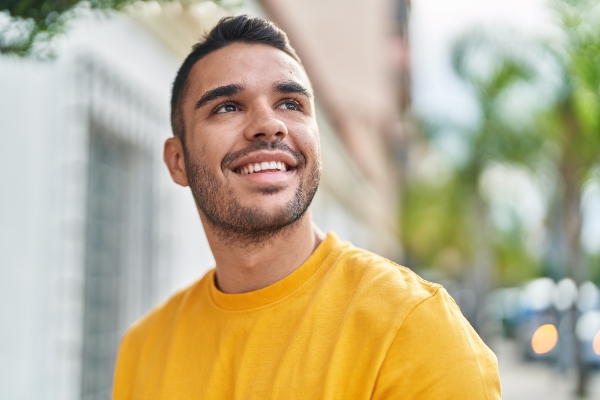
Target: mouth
263,163
263,166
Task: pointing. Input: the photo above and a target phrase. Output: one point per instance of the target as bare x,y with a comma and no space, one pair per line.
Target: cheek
209,146
195,151
308,141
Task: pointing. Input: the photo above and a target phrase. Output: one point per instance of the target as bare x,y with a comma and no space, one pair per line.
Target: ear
175,161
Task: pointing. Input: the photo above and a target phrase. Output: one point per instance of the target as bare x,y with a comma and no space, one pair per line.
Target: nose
265,124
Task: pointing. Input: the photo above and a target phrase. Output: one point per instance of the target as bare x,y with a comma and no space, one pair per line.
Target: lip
269,178
264,155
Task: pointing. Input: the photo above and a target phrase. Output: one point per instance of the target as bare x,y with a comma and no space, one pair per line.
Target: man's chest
276,356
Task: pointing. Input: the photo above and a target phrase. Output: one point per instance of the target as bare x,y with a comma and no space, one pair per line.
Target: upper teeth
263,166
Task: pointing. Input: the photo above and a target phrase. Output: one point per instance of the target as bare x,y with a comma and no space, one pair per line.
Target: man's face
252,154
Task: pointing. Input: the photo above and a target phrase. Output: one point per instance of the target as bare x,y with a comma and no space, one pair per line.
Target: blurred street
536,380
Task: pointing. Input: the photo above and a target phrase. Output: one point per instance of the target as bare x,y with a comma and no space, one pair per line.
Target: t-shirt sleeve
436,354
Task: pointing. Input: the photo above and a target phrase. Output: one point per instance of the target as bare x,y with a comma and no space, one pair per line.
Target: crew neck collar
278,290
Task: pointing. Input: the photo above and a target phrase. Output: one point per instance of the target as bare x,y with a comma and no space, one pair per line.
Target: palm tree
567,118
494,138
573,126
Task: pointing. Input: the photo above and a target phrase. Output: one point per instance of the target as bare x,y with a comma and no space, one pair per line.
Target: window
119,258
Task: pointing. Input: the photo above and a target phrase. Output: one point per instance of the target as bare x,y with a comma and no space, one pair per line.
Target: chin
270,206
269,195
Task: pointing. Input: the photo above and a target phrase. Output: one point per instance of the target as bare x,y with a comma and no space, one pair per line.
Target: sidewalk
536,381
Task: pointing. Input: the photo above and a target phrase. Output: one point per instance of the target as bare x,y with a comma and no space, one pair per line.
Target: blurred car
539,316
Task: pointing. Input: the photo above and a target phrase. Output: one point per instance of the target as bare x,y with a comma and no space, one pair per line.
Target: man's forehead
246,65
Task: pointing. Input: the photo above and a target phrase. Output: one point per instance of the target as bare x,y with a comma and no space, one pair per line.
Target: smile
264,166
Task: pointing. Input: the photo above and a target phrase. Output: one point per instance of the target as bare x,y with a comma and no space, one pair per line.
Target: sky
436,24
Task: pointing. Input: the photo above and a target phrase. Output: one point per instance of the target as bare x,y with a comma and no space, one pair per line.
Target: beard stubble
242,225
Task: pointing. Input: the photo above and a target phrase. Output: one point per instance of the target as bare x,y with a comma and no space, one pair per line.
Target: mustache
259,145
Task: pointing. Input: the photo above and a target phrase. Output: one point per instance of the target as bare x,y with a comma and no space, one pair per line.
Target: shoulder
390,285
150,332
423,310
437,354
161,317
430,349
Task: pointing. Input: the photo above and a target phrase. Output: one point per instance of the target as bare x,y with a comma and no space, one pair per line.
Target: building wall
24,241
93,231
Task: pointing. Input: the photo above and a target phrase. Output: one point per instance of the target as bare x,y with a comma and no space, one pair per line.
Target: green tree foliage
434,225
572,122
560,127
25,24
492,68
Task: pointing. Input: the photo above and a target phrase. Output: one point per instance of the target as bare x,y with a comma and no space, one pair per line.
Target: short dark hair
241,29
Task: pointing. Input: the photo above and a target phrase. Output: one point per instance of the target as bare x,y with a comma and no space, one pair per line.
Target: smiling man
287,312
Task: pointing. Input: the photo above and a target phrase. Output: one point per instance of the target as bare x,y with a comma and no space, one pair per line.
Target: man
288,312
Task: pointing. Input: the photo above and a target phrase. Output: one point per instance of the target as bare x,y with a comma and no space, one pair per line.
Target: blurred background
459,139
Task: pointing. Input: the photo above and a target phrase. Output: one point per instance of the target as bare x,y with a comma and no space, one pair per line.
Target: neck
245,268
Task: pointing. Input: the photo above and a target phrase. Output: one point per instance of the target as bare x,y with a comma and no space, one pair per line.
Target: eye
292,105
226,108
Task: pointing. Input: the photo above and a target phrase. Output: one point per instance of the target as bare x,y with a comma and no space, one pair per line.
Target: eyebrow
221,91
291,87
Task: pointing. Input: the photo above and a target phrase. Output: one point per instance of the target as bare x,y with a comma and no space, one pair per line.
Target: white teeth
265,165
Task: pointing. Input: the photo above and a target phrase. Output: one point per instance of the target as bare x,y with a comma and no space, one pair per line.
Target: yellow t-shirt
347,324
